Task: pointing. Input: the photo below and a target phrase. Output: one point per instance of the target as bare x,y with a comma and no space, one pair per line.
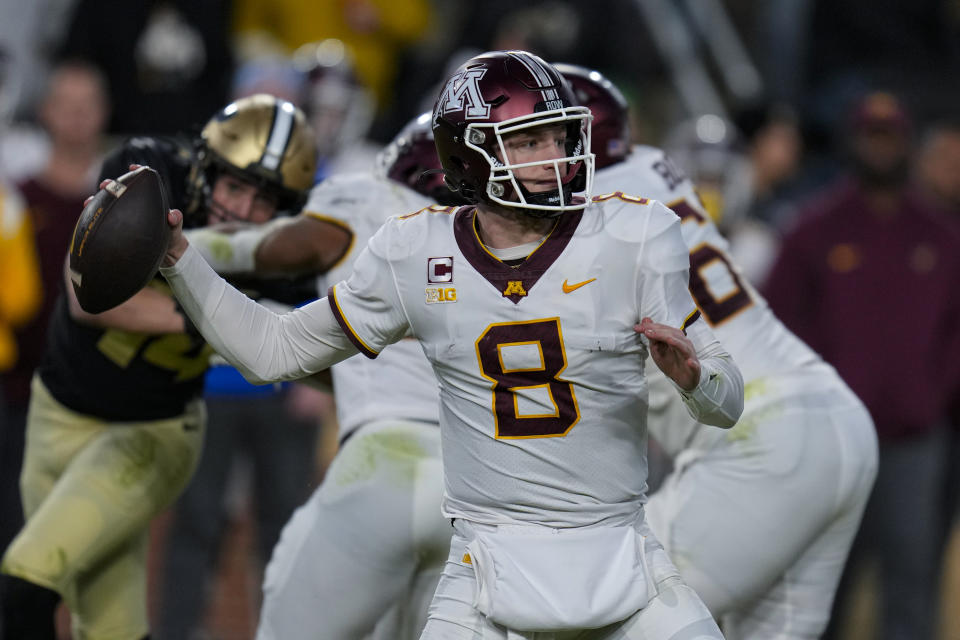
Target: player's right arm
364,313
264,346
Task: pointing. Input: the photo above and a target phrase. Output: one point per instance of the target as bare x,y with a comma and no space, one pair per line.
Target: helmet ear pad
465,186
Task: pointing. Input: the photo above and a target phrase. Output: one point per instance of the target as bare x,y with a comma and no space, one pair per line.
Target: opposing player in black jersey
116,422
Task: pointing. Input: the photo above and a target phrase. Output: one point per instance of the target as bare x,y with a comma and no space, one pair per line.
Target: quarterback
537,309
758,519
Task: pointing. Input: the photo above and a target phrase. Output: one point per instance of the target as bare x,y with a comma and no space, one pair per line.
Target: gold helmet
263,140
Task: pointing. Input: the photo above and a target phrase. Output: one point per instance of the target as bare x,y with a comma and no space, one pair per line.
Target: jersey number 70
509,382
716,309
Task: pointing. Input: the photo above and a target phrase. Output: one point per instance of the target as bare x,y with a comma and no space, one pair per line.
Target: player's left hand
673,352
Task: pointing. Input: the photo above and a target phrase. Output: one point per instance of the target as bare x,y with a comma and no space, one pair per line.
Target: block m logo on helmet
465,85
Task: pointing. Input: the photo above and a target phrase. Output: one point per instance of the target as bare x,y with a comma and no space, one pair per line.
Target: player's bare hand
178,241
673,352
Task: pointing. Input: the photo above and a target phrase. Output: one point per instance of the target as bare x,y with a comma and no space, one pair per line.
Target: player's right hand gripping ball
119,240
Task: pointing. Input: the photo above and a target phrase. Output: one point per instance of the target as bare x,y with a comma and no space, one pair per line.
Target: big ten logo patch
439,270
441,295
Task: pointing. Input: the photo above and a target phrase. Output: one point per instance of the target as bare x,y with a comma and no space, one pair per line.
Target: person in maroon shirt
74,113
869,278
938,174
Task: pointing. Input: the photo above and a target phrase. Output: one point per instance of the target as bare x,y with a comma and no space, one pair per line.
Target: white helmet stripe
279,135
539,73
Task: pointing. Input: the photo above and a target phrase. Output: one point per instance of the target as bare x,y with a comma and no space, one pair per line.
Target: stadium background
169,65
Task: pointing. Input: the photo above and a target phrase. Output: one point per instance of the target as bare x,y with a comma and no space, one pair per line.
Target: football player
372,533
758,519
537,308
115,423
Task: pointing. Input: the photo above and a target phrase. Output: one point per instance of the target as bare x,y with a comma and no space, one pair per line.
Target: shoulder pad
402,235
356,197
343,191
632,218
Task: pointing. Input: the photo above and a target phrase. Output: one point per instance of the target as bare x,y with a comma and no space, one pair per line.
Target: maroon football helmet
502,92
411,159
611,122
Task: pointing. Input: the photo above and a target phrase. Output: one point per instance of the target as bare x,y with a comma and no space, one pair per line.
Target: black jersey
172,158
119,375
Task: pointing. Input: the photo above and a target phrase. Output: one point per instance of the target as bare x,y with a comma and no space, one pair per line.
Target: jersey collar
512,282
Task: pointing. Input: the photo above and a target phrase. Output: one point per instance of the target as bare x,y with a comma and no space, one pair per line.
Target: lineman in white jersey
372,534
537,310
759,519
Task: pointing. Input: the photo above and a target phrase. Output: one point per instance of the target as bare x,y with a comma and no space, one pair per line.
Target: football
119,241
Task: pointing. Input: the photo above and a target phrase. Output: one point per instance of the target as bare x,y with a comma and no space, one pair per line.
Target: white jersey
763,348
542,387
401,384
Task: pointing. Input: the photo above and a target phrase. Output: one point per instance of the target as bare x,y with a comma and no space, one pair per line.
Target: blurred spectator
20,297
869,278
938,166
168,63
738,179
550,29
23,149
269,73
21,292
340,108
595,34
711,151
821,54
30,32
375,31
774,144
603,34
938,175
73,113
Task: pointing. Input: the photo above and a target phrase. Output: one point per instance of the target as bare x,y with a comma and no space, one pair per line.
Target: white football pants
369,537
760,526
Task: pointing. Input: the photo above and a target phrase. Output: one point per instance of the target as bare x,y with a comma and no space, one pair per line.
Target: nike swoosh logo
567,288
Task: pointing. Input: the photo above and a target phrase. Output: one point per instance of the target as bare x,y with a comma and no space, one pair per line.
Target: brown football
119,240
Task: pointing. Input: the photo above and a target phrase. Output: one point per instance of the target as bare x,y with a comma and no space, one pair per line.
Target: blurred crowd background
779,110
